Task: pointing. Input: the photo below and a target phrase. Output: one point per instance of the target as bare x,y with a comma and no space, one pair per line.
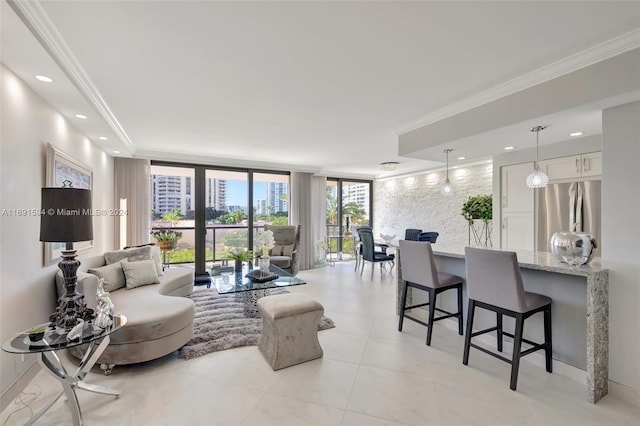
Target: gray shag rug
220,324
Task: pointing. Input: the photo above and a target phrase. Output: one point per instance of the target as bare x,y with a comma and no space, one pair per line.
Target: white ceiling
317,86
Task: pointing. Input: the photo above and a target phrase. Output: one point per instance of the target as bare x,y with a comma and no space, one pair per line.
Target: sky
237,192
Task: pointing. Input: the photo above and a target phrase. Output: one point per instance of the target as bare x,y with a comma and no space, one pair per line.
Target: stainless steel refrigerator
561,205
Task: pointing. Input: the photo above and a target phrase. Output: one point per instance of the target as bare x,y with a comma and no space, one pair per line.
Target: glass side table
55,340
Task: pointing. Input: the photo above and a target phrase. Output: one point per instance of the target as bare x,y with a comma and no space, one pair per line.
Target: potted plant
239,255
36,333
478,207
166,238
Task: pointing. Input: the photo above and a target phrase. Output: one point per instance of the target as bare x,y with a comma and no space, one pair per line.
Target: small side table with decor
55,340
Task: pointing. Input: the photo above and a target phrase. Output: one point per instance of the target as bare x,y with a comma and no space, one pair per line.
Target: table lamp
67,218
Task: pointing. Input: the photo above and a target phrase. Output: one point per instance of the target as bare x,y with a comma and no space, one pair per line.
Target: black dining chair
370,255
412,234
430,237
357,246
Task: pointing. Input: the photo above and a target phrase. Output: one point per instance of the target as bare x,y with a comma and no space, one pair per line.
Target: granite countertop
540,260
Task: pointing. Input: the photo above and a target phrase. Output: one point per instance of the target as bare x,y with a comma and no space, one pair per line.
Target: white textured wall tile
416,202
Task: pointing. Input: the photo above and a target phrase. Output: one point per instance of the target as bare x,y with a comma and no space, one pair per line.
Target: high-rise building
357,193
169,193
278,196
261,206
216,193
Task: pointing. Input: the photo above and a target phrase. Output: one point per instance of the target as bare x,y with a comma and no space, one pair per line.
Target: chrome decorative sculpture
574,248
104,309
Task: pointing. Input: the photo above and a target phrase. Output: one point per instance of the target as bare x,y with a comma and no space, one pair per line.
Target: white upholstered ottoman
289,329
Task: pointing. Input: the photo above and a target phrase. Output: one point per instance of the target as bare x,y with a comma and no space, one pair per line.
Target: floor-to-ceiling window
349,203
213,210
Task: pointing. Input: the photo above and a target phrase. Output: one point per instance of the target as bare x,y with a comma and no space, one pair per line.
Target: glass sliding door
270,200
226,213
172,210
348,207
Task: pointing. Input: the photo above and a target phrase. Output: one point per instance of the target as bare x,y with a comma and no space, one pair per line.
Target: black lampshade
66,215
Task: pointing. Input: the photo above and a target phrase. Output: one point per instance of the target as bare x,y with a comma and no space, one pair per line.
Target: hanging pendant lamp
538,178
447,187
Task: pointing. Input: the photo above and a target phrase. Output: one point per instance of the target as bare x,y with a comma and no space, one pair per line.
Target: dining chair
419,271
494,283
412,234
428,236
357,246
370,255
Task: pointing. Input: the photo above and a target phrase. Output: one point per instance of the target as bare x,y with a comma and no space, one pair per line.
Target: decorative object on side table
480,208
104,309
239,255
36,333
266,241
166,238
574,248
67,219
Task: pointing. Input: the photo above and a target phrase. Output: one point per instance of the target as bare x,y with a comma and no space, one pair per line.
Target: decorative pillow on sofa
112,274
142,272
288,250
156,255
276,250
132,255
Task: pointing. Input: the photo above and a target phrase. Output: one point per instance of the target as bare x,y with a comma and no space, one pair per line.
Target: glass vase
264,263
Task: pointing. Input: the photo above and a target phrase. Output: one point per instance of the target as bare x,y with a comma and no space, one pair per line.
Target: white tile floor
370,375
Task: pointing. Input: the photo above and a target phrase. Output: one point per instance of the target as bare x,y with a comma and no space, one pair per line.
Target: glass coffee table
247,291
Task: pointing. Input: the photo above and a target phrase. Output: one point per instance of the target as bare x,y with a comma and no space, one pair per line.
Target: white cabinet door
517,231
592,164
516,196
563,167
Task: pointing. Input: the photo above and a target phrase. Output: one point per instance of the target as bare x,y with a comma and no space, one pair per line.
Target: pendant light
447,187
537,179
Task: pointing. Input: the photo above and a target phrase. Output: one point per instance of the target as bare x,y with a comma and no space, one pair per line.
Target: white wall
620,237
416,202
27,294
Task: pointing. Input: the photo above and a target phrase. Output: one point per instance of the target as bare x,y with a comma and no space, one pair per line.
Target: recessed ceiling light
84,117
103,138
509,148
462,158
115,151
576,134
44,78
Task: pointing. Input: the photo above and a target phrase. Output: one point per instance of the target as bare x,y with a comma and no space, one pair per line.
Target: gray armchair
284,254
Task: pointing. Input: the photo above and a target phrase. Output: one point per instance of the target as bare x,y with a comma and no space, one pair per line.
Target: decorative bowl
574,248
387,237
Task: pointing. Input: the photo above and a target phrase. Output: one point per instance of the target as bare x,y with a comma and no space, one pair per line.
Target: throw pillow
112,275
157,258
288,250
276,250
139,273
132,255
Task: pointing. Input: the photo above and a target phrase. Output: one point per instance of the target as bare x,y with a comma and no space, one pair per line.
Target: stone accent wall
416,202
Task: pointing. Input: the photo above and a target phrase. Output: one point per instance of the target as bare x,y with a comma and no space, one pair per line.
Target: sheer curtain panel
132,193
307,209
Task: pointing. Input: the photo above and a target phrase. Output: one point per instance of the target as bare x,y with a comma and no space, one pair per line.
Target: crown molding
39,24
600,52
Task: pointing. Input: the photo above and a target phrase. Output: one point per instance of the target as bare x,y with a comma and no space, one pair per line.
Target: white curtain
132,193
307,209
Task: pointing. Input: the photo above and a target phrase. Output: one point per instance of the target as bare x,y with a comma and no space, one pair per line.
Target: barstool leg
499,330
548,351
460,309
404,303
517,345
467,336
432,313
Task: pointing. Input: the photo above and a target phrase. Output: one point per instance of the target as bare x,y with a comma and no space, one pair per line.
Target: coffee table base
250,301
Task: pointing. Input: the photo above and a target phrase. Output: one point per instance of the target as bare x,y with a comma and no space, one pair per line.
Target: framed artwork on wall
62,167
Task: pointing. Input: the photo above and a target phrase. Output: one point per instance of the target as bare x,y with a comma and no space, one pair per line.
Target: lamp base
71,308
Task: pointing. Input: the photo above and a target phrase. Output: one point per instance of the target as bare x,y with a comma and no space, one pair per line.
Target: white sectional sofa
159,316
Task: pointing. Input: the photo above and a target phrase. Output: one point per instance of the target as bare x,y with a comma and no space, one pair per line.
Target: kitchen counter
577,292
